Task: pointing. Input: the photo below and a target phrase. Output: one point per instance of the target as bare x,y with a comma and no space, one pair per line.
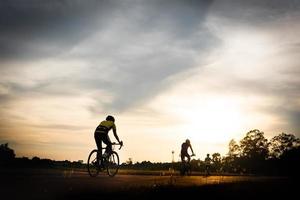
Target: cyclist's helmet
187,141
110,118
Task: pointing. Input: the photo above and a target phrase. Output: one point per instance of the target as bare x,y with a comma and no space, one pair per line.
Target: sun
211,120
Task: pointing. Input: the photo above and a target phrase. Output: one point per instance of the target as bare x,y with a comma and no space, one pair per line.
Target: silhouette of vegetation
253,154
7,155
8,159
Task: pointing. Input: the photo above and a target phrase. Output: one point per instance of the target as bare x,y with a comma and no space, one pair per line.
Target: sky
205,70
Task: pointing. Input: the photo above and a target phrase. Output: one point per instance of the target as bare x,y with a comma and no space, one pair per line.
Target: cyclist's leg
108,143
184,162
182,157
189,164
188,157
98,140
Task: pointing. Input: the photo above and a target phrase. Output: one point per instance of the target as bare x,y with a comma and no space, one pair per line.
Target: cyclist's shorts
184,153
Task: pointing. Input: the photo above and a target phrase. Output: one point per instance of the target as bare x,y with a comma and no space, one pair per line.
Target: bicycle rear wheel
93,165
112,164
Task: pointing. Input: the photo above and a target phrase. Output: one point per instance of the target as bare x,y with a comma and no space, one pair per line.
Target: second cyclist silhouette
101,135
184,150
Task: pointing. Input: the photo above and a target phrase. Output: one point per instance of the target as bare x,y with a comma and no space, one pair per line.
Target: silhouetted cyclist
101,134
207,164
184,150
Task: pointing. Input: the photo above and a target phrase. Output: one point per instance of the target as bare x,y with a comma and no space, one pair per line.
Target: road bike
207,169
109,161
186,167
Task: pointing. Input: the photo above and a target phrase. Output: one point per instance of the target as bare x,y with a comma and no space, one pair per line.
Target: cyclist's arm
191,148
115,133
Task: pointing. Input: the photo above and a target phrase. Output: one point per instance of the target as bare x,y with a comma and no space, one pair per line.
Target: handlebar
121,145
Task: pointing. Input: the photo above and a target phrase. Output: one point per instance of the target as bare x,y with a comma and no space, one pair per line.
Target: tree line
253,154
8,159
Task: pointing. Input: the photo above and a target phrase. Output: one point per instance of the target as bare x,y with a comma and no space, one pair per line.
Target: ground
74,184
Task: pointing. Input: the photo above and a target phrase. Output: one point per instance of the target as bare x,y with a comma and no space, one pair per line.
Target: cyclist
184,150
207,164
101,135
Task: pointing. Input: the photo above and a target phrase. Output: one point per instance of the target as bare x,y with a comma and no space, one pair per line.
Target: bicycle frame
109,162
113,144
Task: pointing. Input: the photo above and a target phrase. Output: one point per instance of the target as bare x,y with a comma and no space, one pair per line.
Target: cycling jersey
105,126
207,160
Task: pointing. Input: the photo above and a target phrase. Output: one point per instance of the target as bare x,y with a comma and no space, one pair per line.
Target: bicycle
207,170
186,167
110,162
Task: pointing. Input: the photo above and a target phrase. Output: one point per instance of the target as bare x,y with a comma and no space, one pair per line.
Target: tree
231,163
216,160
234,148
254,145
254,151
285,154
281,144
6,154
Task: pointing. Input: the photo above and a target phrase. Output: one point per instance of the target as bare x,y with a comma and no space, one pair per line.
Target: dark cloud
35,29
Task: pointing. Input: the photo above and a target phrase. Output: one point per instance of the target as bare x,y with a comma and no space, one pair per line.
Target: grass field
74,184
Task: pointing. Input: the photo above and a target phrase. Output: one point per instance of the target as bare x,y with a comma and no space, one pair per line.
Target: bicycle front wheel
112,164
93,164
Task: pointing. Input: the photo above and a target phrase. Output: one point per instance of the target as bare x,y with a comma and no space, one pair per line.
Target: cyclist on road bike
207,164
184,150
101,135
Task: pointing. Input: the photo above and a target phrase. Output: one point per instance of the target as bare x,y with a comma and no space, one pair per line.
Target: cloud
38,29
129,51
256,13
